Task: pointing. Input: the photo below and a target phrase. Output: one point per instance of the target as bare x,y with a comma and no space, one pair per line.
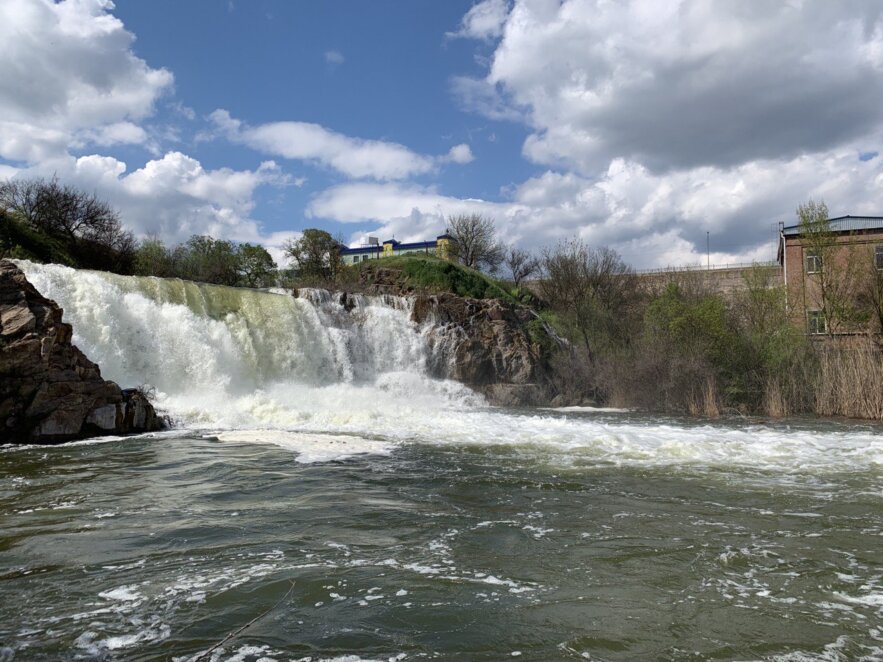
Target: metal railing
706,267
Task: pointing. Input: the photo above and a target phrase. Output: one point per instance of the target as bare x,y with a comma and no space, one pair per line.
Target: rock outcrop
500,349
486,344
49,391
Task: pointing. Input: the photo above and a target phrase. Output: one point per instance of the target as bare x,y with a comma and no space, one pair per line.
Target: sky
649,127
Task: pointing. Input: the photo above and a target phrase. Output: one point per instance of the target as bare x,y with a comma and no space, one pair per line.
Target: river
319,482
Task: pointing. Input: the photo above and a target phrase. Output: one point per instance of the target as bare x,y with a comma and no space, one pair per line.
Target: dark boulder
487,344
49,391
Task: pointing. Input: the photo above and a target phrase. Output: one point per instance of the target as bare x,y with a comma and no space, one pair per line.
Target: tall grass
850,380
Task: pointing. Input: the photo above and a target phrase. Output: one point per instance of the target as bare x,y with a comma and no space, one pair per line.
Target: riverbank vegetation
675,343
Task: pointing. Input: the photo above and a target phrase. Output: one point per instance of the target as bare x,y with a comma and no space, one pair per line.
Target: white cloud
173,196
461,153
354,157
119,133
70,81
484,20
334,58
664,121
653,219
687,84
69,75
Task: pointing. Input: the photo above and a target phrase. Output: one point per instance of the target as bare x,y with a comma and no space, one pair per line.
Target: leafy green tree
152,258
315,255
209,260
256,266
697,327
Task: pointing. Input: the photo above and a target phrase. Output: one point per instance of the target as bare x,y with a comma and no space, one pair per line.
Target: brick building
833,275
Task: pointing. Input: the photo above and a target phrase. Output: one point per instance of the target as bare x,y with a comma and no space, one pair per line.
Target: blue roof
398,247
843,224
344,250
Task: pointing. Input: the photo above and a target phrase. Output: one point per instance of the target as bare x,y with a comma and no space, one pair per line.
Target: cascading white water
235,357
267,366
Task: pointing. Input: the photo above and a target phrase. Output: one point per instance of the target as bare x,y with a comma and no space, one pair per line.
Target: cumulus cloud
70,77
354,157
663,121
173,196
653,219
684,85
461,153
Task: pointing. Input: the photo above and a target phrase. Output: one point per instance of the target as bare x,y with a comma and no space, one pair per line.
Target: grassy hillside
19,240
436,275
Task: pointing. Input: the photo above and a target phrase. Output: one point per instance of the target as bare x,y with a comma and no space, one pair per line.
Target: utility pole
708,248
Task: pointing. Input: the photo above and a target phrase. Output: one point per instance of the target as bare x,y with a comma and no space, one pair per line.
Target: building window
813,262
816,323
878,256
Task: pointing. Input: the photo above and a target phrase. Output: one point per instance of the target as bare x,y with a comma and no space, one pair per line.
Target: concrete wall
725,281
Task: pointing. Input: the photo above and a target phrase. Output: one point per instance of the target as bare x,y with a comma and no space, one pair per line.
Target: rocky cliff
500,349
49,391
487,345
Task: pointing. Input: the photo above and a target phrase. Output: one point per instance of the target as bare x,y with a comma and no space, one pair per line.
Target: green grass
19,240
436,275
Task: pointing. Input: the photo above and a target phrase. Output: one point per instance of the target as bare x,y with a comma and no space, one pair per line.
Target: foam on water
301,372
312,447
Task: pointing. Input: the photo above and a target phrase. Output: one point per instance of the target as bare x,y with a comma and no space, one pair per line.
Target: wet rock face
49,391
485,344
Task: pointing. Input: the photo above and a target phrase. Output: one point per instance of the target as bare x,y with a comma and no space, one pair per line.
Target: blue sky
376,70
639,125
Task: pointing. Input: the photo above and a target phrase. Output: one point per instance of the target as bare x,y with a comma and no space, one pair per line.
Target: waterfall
234,357
330,375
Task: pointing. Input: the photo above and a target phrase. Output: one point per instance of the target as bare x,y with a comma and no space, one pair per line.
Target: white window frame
816,325
814,258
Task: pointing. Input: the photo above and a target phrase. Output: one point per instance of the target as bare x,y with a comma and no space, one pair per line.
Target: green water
154,549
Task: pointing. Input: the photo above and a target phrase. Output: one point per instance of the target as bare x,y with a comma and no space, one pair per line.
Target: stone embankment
49,391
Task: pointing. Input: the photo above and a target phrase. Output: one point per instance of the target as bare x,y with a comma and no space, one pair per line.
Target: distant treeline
50,222
47,221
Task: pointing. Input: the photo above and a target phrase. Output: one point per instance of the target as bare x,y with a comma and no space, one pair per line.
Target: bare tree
475,241
869,295
592,288
834,274
61,210
520,264
87,226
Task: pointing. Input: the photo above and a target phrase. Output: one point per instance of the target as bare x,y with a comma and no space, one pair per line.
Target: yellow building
441,247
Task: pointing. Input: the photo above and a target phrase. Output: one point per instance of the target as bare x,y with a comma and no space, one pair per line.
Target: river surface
323,498
159,547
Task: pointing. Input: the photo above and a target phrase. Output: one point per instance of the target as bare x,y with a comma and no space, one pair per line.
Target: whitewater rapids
328,383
